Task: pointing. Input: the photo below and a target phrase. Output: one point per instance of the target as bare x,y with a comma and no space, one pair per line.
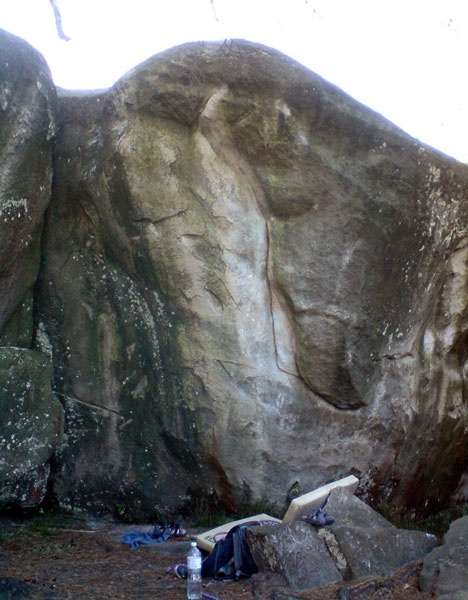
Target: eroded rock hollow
249,283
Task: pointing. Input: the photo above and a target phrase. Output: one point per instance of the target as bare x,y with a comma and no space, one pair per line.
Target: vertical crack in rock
284,314
221,143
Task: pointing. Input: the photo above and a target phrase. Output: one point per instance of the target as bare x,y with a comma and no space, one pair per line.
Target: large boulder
27,106
296,553
363,537
30,416
445,572
251,284
360,544
31,426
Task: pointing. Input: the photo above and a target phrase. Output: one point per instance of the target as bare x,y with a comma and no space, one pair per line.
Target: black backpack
231,559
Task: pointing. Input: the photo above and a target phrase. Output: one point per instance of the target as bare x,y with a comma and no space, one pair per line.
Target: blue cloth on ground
137,538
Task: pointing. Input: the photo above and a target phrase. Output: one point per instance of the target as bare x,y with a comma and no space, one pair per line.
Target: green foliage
7,536
56,549
47,521
131,509
42,524
259,506
437,524
203,508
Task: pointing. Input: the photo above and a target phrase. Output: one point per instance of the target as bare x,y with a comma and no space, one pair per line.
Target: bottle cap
193,543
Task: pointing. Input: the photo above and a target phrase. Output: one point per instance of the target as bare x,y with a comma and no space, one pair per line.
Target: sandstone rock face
27,104
249,283
30,427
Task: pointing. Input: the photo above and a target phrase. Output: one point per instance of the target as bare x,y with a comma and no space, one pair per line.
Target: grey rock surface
30,428
30,416
263,286
249,283
445,569
360,544
371,545
295,552
27,109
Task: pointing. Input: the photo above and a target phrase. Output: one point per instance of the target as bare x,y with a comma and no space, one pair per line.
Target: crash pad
299,507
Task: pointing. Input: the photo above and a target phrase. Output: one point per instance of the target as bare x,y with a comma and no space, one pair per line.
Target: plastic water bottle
194,579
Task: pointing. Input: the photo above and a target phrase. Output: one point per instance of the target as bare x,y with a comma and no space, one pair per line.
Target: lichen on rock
30,428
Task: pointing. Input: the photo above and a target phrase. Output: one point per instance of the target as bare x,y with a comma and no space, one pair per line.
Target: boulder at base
30,427
296,552
360,544
445,570
371,545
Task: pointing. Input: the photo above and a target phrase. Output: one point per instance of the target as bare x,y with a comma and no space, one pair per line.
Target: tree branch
214,10
58,21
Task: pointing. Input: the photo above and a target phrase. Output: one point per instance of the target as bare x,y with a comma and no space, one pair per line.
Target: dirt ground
83,560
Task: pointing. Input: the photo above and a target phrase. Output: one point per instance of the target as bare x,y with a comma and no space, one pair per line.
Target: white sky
404,58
